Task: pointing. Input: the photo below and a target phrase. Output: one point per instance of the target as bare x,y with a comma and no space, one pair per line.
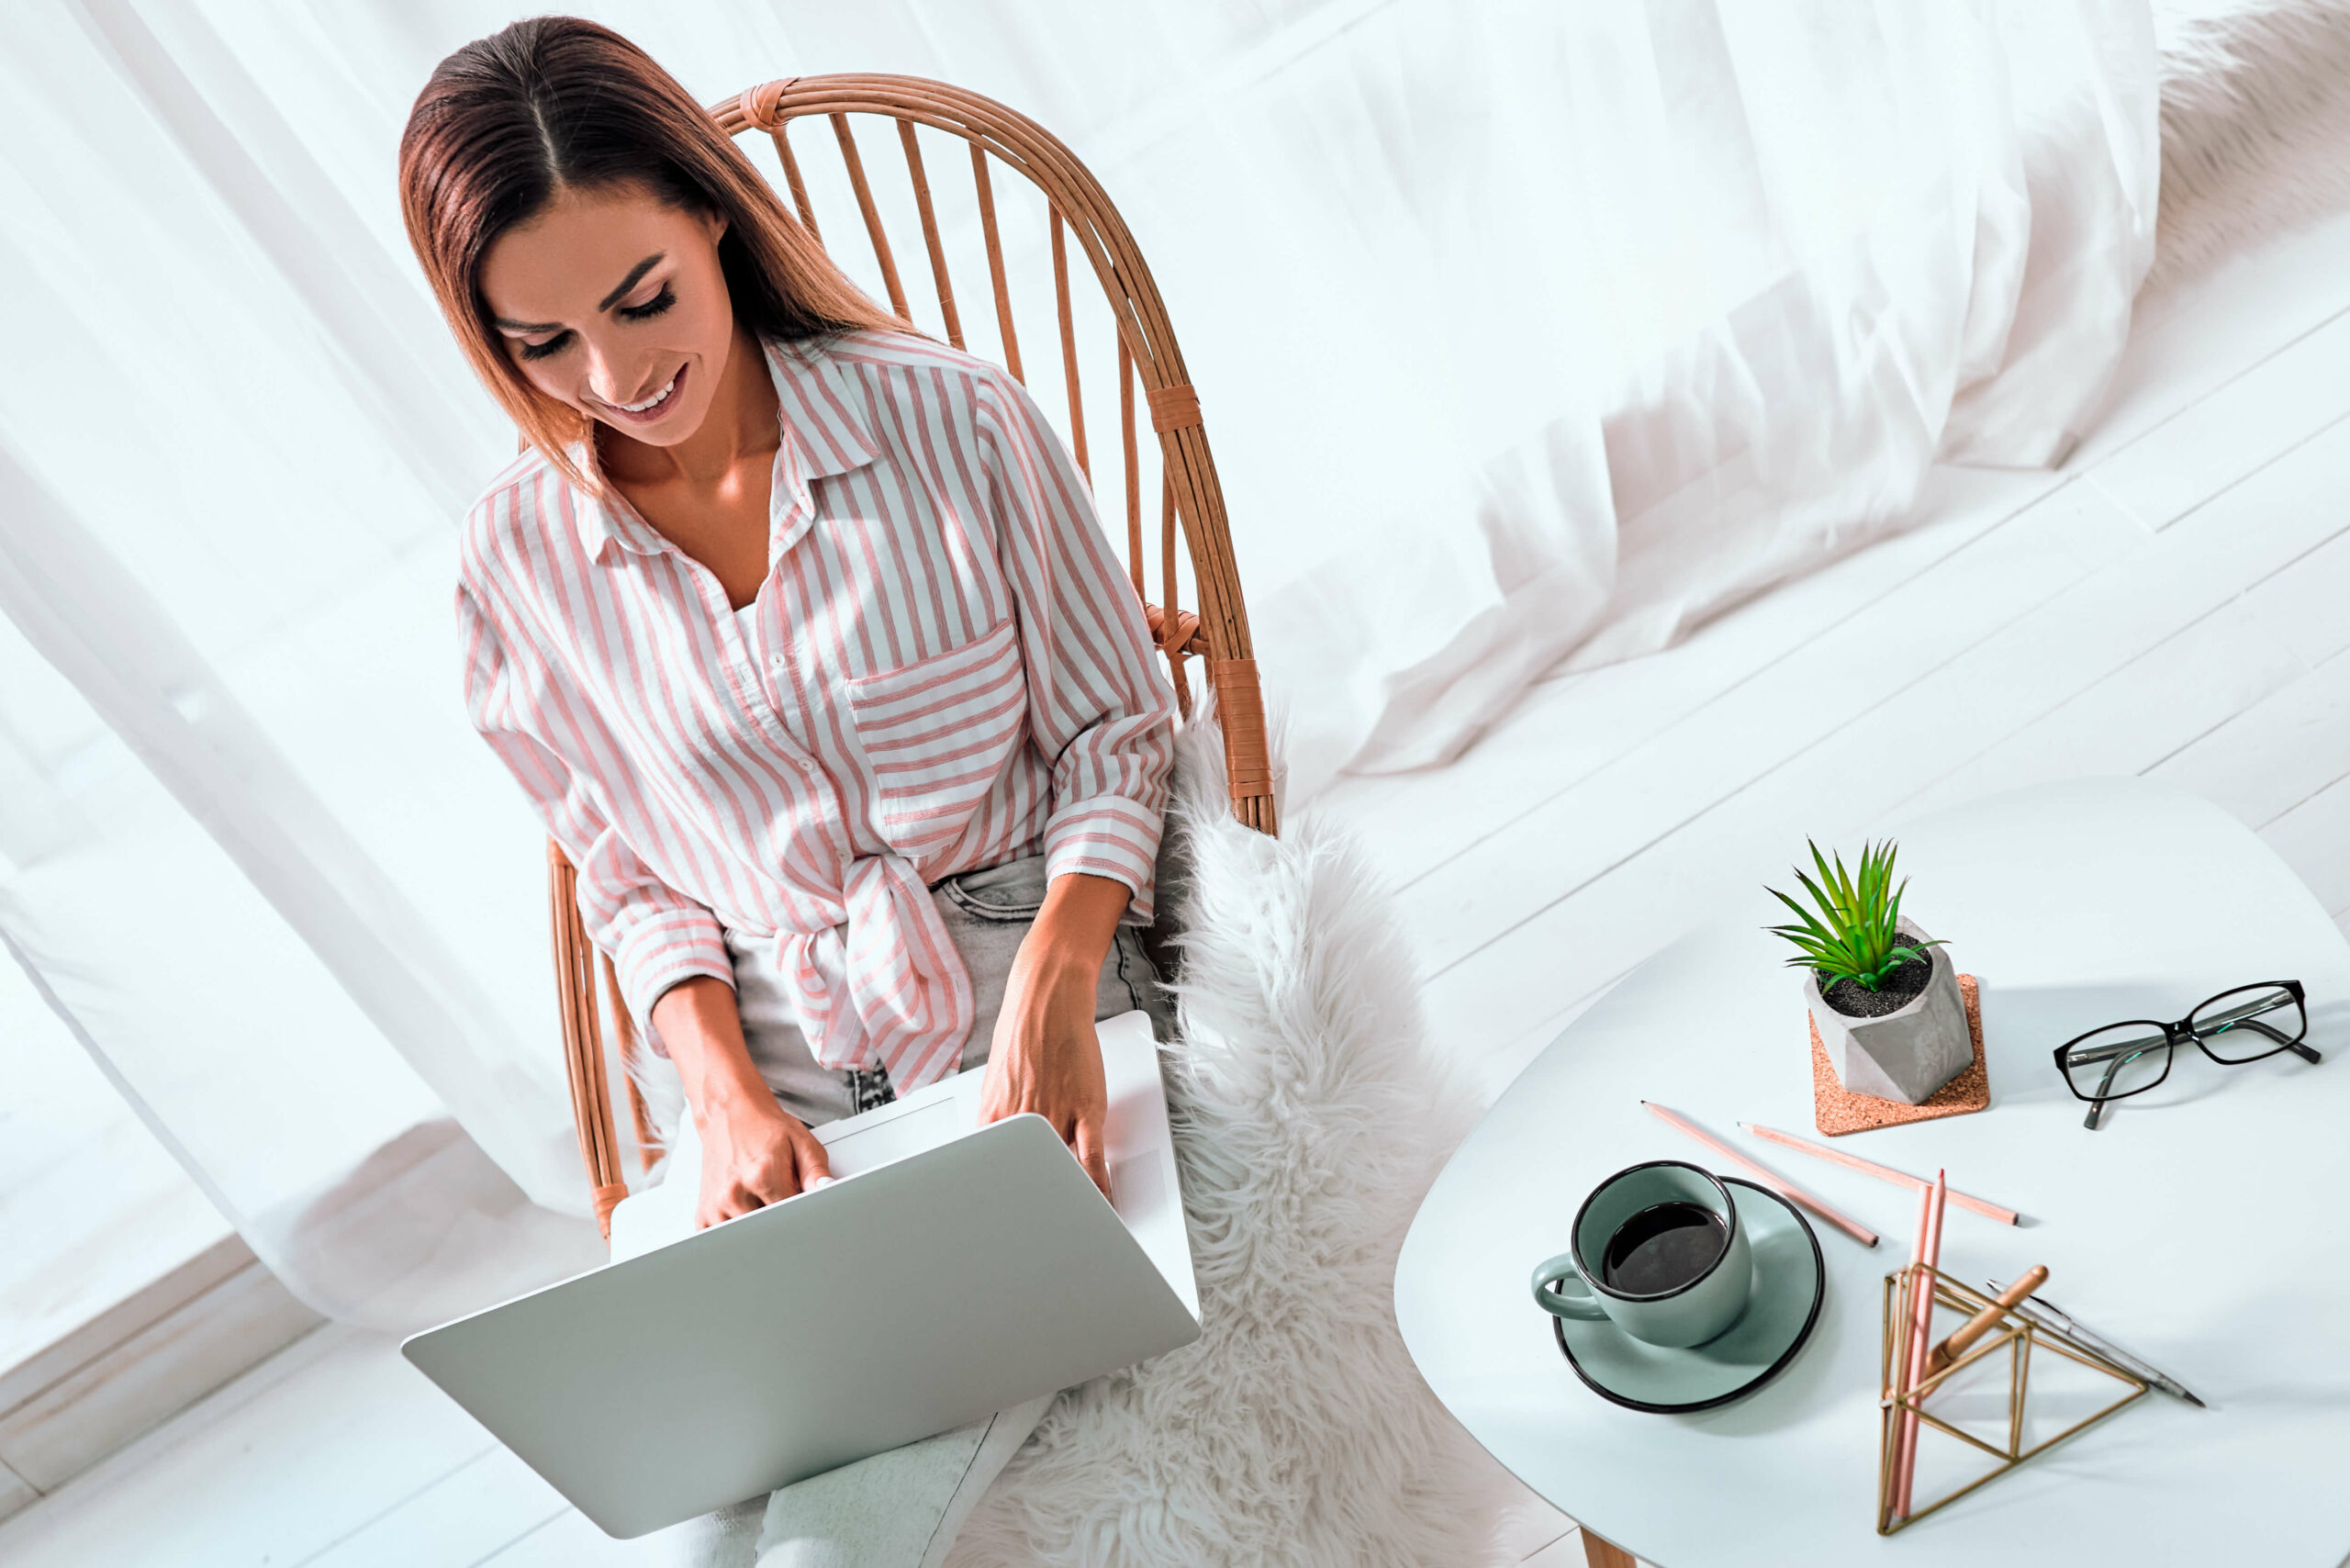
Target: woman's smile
655,408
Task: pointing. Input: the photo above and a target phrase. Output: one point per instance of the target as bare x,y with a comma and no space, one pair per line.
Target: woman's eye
651,307
561,341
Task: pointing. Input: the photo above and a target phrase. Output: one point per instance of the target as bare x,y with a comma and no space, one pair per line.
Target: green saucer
1790,1277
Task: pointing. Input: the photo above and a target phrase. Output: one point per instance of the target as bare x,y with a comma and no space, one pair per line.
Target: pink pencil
1882,1172
1904,1425
1921,1334
1777,1184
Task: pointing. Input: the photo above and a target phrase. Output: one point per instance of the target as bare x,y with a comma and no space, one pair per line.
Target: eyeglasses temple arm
2300,1049
2097,1106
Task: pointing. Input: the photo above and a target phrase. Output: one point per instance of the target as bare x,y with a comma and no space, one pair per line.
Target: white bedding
1523,327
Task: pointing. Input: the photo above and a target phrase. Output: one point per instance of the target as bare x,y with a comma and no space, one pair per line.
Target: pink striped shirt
945,668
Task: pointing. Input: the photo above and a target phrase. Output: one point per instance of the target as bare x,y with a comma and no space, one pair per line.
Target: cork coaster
1837,1110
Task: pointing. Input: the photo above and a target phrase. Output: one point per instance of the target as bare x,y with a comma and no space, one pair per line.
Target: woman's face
614,302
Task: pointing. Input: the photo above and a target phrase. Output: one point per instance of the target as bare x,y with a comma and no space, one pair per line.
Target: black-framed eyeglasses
2236,1027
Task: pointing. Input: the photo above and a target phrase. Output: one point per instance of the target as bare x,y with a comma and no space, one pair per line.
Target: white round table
2206,1228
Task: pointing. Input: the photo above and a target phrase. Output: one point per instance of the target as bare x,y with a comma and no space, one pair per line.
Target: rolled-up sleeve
1099,707
656,935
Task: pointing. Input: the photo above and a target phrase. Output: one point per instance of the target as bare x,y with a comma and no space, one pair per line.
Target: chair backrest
1191,502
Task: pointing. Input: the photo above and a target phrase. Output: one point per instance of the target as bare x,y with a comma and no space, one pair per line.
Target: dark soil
1900,988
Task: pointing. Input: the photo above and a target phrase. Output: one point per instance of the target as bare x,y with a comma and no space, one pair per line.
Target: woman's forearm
752,1151
702,1030
1075,927
1045,1057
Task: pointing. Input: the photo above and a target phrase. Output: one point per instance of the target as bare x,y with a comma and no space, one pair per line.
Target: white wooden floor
2170,604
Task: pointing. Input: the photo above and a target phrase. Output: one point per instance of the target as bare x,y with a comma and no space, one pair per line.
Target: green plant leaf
1851,928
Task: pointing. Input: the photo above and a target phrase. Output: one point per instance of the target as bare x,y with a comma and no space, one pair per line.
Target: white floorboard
567,1540
2168,604
335,1453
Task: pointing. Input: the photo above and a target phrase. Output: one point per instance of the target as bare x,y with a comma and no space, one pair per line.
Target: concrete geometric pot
1909,1053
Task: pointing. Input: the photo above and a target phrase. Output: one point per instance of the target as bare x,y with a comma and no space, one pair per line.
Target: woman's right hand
754,1152
754,1155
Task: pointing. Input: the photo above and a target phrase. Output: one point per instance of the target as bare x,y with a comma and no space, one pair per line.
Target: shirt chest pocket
937,733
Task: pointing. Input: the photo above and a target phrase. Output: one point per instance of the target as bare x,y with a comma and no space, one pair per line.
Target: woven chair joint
761,105
607,1200
1184,637
1175,408
1240,708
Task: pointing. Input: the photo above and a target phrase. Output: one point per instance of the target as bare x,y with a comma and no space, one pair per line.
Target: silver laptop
954,1270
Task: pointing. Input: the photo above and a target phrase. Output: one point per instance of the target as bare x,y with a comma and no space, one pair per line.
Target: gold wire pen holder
2010,1332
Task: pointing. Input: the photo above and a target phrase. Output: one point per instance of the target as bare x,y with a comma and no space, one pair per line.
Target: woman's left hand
1045,1057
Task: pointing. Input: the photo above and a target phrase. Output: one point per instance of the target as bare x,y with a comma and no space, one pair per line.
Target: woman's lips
653,411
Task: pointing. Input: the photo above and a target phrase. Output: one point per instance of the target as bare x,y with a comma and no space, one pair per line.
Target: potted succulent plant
1886,1002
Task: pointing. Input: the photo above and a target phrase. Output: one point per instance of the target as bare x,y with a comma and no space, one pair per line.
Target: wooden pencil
1882,1172
1904,1426
1770,1179
1949,1349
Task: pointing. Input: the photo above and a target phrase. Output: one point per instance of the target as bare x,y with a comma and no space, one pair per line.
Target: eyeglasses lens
2250,1022
2116,1061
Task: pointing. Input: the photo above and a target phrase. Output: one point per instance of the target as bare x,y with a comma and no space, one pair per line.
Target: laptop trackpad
878,1143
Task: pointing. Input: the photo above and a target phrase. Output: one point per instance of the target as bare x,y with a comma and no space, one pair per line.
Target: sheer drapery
1462,287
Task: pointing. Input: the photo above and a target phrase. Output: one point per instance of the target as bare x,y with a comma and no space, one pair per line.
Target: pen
2054,1317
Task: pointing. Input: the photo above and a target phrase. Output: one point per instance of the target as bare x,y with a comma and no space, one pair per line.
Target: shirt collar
827,431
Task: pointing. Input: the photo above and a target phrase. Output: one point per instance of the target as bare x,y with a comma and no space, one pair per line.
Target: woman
801,636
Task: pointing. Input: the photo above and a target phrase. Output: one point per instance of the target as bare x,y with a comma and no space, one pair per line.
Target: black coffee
1663,1248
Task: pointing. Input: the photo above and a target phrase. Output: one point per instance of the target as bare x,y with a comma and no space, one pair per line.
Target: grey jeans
898,1509
987,914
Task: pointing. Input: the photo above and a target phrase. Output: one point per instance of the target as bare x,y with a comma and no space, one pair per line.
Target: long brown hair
551,102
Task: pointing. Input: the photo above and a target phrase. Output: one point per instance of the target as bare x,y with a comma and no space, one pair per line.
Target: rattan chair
1191,502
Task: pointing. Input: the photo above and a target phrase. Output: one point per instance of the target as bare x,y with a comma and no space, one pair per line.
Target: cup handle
1560,1270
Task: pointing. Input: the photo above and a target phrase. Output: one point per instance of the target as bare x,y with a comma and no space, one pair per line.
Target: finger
1090,1153
783,1183
996,1099
814,1164
790,1173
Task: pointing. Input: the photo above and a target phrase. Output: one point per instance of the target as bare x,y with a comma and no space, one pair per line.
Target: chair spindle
995,264
1069,345
648,1142
799,186
872,219
1174,637
591,1104
1133,467
930,232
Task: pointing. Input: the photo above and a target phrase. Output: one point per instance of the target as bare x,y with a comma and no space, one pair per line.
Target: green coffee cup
1657,1249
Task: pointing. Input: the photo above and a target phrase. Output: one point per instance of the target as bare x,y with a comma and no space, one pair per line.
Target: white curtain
1523,330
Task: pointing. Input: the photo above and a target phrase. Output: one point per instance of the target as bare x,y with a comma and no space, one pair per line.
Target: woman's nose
608,379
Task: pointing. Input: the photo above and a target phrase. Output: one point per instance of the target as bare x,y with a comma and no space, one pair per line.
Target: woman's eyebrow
606,303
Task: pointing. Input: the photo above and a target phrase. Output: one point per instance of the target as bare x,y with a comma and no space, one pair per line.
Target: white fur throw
1310,1118
2255,124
